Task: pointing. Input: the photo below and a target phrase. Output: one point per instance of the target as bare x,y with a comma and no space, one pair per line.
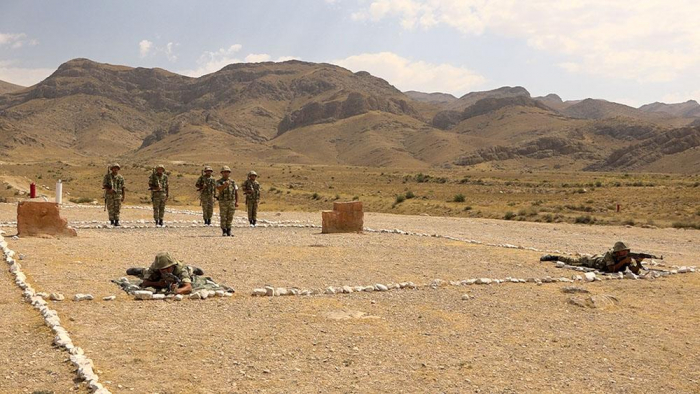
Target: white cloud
414,75
169,51
257,58
644,40
10,72
210,62
145,48
16,40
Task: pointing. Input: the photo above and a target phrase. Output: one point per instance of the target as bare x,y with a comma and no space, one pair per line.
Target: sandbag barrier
77,356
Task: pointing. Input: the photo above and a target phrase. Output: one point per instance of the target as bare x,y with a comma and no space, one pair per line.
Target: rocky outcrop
355,104
447,119
651,149
539,149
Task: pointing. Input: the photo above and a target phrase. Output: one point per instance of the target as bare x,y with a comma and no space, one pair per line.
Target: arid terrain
505,338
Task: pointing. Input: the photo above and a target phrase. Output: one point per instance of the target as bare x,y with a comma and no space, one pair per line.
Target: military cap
115,165
163,260
225,168
620,246
208,168
252,173
160,166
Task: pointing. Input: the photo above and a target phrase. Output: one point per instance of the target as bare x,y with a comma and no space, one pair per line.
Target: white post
59,192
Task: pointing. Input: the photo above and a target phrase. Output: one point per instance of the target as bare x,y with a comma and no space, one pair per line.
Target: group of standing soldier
224,190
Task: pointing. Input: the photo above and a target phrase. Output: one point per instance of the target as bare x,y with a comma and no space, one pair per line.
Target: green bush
81,200
686,225
459,198
468,208
588,219
315,196
355,198
509,215
409,195
400,198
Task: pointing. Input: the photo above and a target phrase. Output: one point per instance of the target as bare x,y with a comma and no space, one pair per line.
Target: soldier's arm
236,194
185,288
123,191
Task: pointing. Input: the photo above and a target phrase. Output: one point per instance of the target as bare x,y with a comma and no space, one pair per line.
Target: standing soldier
158,185
113,184
251,188
228,200
206,186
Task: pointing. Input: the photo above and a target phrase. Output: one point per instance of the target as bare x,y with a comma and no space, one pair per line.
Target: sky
628,51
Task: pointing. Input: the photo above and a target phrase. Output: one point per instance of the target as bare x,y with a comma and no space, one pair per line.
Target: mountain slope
6,87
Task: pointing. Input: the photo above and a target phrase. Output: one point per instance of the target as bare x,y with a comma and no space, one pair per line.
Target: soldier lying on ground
615,260
167,273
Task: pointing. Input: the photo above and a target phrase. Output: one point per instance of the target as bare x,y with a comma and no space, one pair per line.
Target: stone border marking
51,319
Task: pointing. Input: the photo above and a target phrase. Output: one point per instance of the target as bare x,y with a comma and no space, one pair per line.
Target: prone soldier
167,273
616,259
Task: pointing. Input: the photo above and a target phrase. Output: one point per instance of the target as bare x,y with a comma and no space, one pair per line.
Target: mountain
6,87
471,98
434,98
316,113
688,109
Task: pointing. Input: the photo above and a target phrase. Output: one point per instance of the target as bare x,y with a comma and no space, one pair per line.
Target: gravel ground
506,338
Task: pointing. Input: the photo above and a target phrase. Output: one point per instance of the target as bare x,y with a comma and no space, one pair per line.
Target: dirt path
507,338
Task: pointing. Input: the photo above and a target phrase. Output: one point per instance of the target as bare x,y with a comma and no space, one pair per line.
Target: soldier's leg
117,208
154,199
229,216
208,209
161,209
222,214
255,212
249,208
110,208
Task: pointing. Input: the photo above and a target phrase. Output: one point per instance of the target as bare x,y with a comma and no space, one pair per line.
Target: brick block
346,217
41,218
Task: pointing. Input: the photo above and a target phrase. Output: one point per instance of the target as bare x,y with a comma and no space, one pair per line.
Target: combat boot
135,271
111,222
116,223
161,222
549,257
197,271
224,232
228,232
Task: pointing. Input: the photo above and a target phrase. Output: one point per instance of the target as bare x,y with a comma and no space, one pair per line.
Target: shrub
409,195
337,197
315,196
548,218
599,184
459,198
588,219
628,222
81,200
509,215
468,208
400,198
686,225
355,198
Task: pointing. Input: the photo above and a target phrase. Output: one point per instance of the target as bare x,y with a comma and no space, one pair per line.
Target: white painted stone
56,297
483,281
358,288
195,296
330,290
380,287
368,288
281,291
589,276
42,294
143,295
466,297
219,293
630,275
269,291
178,297
560,264
347,289
158,297
259,292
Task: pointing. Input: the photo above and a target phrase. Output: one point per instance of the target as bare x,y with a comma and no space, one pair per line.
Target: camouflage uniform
251,188
605,262
114,188
183,272
598,261
207,187
159,193
227,201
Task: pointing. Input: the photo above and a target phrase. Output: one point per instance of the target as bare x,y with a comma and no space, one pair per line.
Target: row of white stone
197,295
83,364
591,276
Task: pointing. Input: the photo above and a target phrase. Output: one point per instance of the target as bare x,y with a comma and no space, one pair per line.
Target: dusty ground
509,338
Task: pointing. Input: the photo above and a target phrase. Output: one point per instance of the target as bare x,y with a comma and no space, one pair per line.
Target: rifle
170,280
642,256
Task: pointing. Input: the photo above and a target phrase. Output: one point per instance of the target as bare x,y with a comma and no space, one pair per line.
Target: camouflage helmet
620,246
207,168
163,260
160,166
114,165
225,168
252,173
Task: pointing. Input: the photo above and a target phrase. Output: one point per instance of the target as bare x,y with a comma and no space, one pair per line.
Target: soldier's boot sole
197,271
135,271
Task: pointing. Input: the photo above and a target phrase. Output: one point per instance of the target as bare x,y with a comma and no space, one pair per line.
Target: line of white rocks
83,364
